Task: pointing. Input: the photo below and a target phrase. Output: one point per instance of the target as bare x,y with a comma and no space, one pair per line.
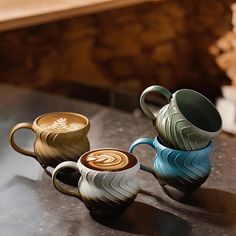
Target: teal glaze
183,170
188,122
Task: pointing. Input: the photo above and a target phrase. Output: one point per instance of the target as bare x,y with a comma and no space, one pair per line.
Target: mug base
99,209
97,214
175,194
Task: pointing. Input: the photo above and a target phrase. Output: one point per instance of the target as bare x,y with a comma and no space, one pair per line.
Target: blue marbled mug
183,170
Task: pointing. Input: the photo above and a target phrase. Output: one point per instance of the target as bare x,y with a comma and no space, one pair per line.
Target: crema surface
108,160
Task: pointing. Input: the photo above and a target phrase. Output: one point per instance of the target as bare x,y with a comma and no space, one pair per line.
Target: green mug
188,122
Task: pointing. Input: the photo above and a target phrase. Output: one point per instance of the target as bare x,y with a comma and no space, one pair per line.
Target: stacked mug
185,128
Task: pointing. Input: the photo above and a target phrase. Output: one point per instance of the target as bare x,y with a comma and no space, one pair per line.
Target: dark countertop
30,205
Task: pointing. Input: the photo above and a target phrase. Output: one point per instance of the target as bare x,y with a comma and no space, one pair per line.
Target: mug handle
143,167
137,142
65,188
157,89
12,141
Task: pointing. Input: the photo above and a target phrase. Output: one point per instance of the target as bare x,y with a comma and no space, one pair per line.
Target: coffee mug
188,122
183,170
60,136
107,183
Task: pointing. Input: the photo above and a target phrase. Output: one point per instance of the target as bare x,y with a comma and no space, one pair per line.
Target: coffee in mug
60,136
107,182
108,160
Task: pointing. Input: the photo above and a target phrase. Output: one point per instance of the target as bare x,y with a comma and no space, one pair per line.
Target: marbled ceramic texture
52,148
108,192
188,122
179,133
60,136
183,170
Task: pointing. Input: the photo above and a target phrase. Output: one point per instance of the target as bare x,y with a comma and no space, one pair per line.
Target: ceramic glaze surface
178,132
188,122
60,136
183,170
108,192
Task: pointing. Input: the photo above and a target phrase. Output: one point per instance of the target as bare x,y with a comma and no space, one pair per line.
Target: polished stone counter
29,204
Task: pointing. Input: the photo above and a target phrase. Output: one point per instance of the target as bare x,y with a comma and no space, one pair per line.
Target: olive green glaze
188,122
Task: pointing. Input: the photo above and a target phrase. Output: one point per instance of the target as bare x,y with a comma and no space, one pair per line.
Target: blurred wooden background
120,51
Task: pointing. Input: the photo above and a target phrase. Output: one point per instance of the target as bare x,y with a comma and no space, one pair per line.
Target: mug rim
63,112
205,98
137,164
157,142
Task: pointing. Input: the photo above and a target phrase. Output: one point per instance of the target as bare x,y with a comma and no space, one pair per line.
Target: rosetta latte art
109,160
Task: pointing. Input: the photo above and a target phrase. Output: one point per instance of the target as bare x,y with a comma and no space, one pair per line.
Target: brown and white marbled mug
60,136
107,180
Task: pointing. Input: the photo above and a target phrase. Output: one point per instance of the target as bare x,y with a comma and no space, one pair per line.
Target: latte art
62,125
108,160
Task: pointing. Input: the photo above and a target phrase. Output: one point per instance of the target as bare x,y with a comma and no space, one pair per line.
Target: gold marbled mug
107,180
60,136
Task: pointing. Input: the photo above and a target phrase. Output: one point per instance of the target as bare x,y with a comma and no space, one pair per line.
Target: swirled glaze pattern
55,143
107,160
108,192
